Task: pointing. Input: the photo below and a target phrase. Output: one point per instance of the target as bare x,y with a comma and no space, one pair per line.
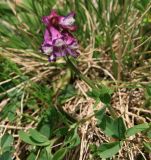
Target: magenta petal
53,14
47,49
70,28
58,41
52,18
47,36
57,37
70,41
46,46
55,33
67,20
59,52
46,20
72,14
52,58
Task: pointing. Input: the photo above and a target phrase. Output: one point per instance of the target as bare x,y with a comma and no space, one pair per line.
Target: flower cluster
58,40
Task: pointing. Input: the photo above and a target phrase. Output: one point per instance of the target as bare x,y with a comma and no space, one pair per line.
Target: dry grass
128,102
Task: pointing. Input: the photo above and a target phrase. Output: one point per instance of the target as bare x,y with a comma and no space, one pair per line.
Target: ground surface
115,47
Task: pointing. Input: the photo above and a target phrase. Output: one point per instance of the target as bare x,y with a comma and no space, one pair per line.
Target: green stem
112,111
91,84
86,79
82,121
29,117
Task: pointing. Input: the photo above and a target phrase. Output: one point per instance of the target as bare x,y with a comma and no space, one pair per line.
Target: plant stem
91,84
86,79
112,111
29,117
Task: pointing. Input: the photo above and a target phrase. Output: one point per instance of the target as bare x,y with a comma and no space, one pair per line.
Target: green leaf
66,93
37,136
149,134
113,128
105,98
45,152
100,114
6,142
28,139
6,147
93,94
59,155
137,128
49,122
72,138
103,93
43,155
61,131
107,125
107,150
119,128
31,156
49,150
6,156
147,146
45,129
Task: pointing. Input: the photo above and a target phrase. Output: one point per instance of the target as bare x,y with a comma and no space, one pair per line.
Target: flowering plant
58,39
59,42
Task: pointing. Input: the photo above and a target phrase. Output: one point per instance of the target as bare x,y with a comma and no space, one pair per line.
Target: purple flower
52,19
67,22
58,41
64,22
